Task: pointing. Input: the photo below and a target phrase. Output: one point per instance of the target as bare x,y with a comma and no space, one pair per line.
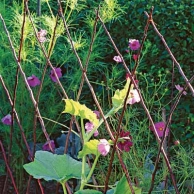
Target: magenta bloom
41,35
125,142
134,97
180,89
6,120
58,72
89,126
134,44
117,59
46,146
135,57
103,147
160,128
33,81
97,113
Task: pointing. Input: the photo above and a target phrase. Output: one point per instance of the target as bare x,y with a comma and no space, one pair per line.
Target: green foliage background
125,20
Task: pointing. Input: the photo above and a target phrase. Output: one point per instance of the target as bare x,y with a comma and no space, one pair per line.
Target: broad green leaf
90,147
123,187
54,167
110,191
119,96
75,108
88,191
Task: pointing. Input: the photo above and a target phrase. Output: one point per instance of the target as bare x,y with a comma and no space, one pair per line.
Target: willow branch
8,168
171,55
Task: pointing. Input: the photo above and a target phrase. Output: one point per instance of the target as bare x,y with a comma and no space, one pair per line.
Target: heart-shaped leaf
119,96
75,108
90,147
54,167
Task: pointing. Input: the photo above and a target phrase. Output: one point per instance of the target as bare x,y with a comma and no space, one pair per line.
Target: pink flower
96,133
58,72
103,147
125,142
180,89
135,57
134,97
160,128
97,113
6,120
117,59
134,44
41,35
33,81
89,126
46,146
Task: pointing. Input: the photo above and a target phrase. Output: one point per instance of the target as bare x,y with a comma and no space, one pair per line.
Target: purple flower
180,89
97,113
125,142
134,44
134,97
6,120
160,128
89,126
46,146
58,72
103,147
117,59
41,35
33,81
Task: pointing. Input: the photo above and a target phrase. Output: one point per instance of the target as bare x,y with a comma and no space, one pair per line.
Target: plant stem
92,169
83,177
64,189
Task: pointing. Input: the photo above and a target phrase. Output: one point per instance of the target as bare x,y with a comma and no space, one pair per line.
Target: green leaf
75,108
119,96
90,147
123,187
54,167
88,191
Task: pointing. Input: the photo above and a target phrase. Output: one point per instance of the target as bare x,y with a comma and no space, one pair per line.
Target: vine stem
64,188
92,169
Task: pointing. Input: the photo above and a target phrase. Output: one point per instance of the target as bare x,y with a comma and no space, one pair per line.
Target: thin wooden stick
8,168
171,55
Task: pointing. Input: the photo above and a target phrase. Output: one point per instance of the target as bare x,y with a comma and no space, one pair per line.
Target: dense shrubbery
156,73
